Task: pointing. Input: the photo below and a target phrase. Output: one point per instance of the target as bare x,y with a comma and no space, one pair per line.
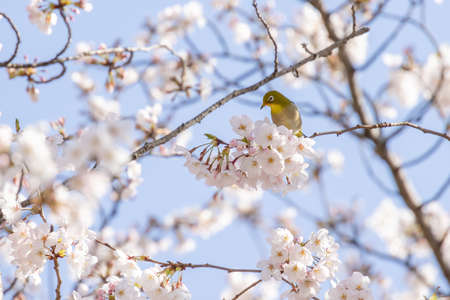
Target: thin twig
19,188
305,47
180,265
438,194
81,55
69,34
11,286
422,157
107,219
391,37
55,77
218,34
275,46
382,125
375,175
58,276
246,289
18,40
353,18
148,146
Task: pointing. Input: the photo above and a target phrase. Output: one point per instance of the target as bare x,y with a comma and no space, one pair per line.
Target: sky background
168,186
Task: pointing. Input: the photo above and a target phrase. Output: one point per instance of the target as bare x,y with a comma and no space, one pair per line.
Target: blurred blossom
405,85
416,287
336,159
34,151
10,206
242,32
6,136
309,29
147,117
392,60
386,110
432,74
204,222
82,47
102,109
224,4
83,82
129,76
43,20
397,227
175,21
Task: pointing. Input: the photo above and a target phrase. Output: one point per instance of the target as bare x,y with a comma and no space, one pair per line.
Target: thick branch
148,146
409,199
348,67
381,149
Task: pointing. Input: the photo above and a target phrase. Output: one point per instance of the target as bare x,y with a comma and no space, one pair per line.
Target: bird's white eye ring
270,99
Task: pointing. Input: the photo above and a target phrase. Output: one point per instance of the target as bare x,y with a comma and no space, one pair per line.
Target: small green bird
283,111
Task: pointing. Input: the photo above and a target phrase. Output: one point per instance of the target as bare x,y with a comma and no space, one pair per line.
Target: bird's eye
270,99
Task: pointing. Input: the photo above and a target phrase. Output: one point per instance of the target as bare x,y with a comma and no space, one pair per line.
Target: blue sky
167,184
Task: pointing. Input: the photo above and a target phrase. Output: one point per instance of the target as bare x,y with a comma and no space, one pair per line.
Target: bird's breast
287,116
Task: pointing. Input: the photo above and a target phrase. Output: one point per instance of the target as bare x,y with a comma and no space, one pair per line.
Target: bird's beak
262,105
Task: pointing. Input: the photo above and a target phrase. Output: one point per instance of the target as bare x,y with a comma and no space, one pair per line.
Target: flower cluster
32,245
172,75
33,163
175,21
305,264
398,229
264,156
134,283
409,80
310,29
206,221
356,287
43,16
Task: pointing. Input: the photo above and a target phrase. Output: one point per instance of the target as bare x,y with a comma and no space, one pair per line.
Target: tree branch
148,146
79,56
69,34
382,125
58,276
380,146
246,289
18,40
266,26
180,266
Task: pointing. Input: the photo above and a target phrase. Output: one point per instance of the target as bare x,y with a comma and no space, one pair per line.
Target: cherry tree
156,156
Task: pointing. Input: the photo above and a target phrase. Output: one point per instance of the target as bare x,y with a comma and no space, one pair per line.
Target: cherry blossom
266,156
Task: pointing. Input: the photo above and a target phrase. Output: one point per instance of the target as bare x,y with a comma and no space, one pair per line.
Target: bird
283,111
